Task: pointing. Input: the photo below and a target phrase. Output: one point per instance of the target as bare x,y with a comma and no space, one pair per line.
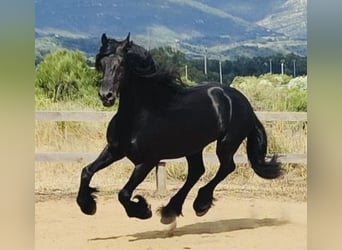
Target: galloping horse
160,118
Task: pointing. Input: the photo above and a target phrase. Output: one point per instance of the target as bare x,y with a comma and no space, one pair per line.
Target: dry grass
60,179
56,180
63,178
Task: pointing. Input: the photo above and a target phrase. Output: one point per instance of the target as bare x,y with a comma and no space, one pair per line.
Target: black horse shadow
212,227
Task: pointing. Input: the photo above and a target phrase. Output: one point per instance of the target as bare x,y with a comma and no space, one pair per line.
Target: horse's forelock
106,49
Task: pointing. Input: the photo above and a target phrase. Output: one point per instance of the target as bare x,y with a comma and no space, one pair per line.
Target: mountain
225,29
289,18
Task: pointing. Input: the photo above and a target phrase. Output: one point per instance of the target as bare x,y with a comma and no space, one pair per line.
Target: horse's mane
140,60
140,63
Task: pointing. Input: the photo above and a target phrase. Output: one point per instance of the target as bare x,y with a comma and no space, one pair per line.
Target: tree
168,56
64,74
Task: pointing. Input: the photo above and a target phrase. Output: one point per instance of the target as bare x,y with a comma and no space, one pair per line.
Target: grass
57,180
60,179
63,178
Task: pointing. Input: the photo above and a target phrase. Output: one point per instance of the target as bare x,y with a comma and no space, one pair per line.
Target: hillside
224,28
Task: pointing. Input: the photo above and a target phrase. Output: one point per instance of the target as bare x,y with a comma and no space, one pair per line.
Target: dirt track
231,224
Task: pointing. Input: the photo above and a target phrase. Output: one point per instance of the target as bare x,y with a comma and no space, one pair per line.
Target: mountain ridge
221,28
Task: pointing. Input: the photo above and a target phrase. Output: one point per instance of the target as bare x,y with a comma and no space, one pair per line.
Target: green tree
64,74
168,56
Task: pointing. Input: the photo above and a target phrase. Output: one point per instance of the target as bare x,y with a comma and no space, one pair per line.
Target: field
245,216
250,213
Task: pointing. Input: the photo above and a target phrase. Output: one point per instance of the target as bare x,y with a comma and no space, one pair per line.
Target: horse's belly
176,133
175,142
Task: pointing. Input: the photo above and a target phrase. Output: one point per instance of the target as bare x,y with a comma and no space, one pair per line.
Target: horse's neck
129,101
138,95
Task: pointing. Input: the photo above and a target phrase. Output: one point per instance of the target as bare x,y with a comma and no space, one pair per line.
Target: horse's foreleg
85,197
174,208
139,209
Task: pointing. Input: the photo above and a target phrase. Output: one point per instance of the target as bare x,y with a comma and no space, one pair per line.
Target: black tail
256,152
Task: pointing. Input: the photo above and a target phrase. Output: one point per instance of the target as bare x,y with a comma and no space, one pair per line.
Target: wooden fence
85,116
92,116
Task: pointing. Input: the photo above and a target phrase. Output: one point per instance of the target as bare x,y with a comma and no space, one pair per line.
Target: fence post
161,178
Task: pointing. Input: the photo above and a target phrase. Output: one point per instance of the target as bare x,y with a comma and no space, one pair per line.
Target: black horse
159,118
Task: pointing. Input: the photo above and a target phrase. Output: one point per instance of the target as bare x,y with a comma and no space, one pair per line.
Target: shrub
65,75
274,92
296,99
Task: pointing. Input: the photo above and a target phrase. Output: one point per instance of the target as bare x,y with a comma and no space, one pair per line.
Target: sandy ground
232,223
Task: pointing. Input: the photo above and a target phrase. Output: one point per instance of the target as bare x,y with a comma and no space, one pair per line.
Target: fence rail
85,157
105,116
84,116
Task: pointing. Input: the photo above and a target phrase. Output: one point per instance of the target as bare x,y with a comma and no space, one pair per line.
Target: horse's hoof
147,215
202,208
88,207
201,213
86,201
141,209
89,210
167,220
167,215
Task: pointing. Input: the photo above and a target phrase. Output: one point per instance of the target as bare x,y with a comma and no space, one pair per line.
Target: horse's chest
131,143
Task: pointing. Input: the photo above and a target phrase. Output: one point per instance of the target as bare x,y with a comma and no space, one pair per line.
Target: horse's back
232,108
199,116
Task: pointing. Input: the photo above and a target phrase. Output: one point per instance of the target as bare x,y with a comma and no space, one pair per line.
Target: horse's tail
256,152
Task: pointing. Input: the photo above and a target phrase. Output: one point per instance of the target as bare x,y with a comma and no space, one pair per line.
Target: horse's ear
125,44
128,36
104,39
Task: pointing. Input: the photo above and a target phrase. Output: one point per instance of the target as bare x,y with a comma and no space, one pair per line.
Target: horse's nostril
109,95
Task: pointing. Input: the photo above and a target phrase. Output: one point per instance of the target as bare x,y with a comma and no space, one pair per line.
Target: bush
274,92
65,75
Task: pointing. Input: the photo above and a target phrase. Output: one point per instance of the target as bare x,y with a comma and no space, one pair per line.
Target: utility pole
282,61
176,45
294,67
186,72
270,66
205,62
220,66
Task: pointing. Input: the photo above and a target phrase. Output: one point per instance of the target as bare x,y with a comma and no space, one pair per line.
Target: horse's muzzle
108,99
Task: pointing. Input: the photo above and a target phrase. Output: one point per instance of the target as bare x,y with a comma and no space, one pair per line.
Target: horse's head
110,62
118,59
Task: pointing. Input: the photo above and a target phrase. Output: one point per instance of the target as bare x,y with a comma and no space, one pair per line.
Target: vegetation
274,92
65,75
243,66
64,81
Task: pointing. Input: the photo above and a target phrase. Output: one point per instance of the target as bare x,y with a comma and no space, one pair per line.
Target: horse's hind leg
174,207
85,197
204,199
